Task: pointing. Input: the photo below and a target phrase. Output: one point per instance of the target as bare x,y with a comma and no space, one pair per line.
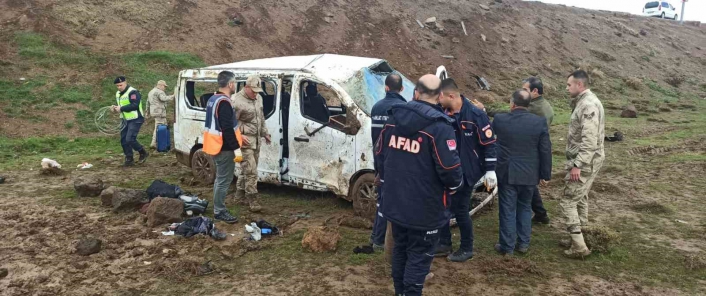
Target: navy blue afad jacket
379,114
418,162
476,142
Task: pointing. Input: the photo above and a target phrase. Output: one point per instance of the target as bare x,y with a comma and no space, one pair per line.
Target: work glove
238,155
491,180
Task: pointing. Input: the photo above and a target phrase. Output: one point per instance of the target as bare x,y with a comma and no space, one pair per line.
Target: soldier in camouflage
250,115
157,101
585,155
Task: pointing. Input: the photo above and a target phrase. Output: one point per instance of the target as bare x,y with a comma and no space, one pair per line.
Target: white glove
491,180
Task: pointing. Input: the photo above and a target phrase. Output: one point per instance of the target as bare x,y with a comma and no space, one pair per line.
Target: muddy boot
129,161
578,246
255,206
565,243
143,156
240,198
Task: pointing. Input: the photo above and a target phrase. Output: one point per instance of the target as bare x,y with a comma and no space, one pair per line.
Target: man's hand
491,180
377,181
115,108
543,182
575,174
246,141
268,139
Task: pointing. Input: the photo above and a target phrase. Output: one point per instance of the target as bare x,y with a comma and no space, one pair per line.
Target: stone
164,210
482,36
485,7
3,273
106,196
629,112
643,32
584,39
665,109
455,40
88,186
128,199
430,20
505,40
356,222
88,246
321,239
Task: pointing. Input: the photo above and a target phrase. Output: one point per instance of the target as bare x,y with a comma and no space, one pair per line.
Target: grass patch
652,208
669,93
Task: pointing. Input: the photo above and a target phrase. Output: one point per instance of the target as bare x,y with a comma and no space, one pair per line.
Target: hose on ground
107,123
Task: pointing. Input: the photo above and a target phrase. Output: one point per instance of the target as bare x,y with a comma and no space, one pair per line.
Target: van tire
203,167
662,16
364,196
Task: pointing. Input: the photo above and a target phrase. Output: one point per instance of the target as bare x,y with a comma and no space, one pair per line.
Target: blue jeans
538,205
411,258
515,216
380,223
128,137
460,206
225,169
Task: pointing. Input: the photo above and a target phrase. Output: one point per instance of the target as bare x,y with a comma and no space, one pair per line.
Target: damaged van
317,109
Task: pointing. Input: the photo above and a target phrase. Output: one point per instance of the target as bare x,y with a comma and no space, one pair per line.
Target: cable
107,124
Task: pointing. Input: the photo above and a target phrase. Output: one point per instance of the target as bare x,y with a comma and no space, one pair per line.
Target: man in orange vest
221,141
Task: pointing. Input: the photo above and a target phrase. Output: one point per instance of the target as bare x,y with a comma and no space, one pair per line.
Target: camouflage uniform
157,100
251,122
584,150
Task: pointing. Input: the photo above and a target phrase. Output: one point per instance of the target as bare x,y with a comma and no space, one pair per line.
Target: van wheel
662,16
203,167
675,17
364,196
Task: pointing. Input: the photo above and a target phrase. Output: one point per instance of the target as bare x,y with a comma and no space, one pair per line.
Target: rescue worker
524,158
541,107
251,124
585,155
130,108
220,140
379,114
418,163
157,101
476,148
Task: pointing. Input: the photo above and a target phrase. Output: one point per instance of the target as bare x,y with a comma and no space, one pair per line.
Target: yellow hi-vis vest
124,100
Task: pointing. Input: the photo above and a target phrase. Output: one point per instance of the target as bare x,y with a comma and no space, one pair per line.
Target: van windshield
367,87
652,4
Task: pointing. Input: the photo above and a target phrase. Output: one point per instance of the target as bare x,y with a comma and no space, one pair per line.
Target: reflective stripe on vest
212,135
124,100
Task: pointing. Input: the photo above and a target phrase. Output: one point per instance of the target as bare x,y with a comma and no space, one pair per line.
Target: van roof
337,67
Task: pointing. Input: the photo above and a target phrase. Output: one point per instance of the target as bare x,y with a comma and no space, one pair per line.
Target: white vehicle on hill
317,109
662,9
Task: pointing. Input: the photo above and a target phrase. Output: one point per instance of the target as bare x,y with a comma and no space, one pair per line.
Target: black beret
119,79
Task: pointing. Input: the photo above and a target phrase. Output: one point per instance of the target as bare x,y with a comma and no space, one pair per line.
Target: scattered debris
600,238
420,24
617,137
88,186
255,232
22,79
194,205
681,221
88,246
482,83
168,233
455,40
163,189
463,25
505,40
164,210
84,165
629,112
485,7
448,56
430,20
321,239
197,225
482,36
50,163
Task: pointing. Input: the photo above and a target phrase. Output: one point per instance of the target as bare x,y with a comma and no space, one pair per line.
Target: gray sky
695,9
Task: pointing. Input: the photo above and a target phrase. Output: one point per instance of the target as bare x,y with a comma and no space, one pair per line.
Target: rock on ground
356,222
88,186
107,196
321,239
164,210
629,112
88,246
3,272
128,199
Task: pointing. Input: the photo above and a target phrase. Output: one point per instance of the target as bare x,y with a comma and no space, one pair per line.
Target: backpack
163,189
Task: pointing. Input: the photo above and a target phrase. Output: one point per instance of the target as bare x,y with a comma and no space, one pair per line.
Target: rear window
652,4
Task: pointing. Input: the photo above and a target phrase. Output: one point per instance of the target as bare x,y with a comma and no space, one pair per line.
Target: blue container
163,142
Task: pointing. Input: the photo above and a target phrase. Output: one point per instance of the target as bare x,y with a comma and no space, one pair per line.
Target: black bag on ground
163,189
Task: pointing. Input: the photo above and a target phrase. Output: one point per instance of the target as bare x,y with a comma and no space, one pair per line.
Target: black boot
129,161
143,156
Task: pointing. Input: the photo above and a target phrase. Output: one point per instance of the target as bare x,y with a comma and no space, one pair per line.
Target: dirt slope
521,38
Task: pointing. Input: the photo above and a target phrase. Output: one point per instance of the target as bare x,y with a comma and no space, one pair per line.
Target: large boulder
164,210
128,199
88,186
629,112
321,239
88,246
107,196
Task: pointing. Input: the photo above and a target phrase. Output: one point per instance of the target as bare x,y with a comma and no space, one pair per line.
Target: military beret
120,79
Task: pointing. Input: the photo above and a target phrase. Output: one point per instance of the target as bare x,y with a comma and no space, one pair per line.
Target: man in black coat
524,158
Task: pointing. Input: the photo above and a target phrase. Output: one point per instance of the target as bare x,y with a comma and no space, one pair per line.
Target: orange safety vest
212,134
